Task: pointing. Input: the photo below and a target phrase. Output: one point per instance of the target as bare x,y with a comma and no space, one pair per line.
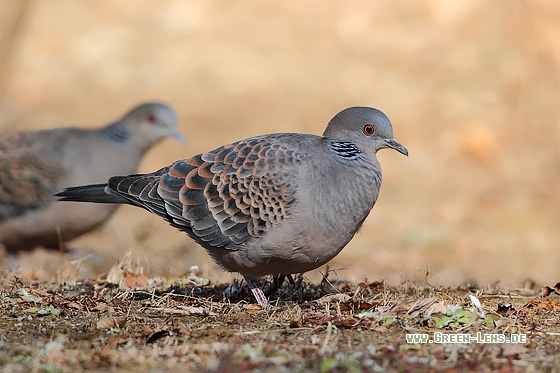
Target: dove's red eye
151,118
369,130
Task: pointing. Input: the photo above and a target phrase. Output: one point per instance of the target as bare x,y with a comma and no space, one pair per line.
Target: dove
275,204
36,164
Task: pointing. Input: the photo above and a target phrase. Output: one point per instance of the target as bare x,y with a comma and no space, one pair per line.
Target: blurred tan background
472,89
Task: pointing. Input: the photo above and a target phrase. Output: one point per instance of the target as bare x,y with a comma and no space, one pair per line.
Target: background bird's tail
89,193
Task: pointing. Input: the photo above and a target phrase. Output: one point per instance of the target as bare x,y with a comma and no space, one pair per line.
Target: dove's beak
177,135
394,144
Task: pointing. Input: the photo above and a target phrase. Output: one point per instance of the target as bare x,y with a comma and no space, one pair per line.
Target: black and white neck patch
345,149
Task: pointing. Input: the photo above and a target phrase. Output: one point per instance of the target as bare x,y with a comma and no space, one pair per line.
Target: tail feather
89,193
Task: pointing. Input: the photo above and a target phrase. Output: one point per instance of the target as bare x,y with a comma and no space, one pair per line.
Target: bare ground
129,322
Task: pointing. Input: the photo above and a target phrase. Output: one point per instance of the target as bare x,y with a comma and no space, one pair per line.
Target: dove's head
151,122
367,128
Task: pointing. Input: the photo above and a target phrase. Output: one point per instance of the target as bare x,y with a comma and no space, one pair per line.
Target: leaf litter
131,322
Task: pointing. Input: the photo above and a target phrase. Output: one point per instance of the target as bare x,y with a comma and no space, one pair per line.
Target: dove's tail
89,193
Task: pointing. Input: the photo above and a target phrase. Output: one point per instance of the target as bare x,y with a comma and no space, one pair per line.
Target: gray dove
275,204
35,164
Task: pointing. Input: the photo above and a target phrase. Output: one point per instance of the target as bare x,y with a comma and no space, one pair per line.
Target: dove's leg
257,292
277,281
291,279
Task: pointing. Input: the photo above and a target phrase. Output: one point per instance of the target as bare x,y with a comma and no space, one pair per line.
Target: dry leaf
547,290
146,330
439,307
126,273
38,292
402,304
110,322
420,306
118,339
343,298
252,308
546,304
73,304
100,307
371,285
131,280
115,275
